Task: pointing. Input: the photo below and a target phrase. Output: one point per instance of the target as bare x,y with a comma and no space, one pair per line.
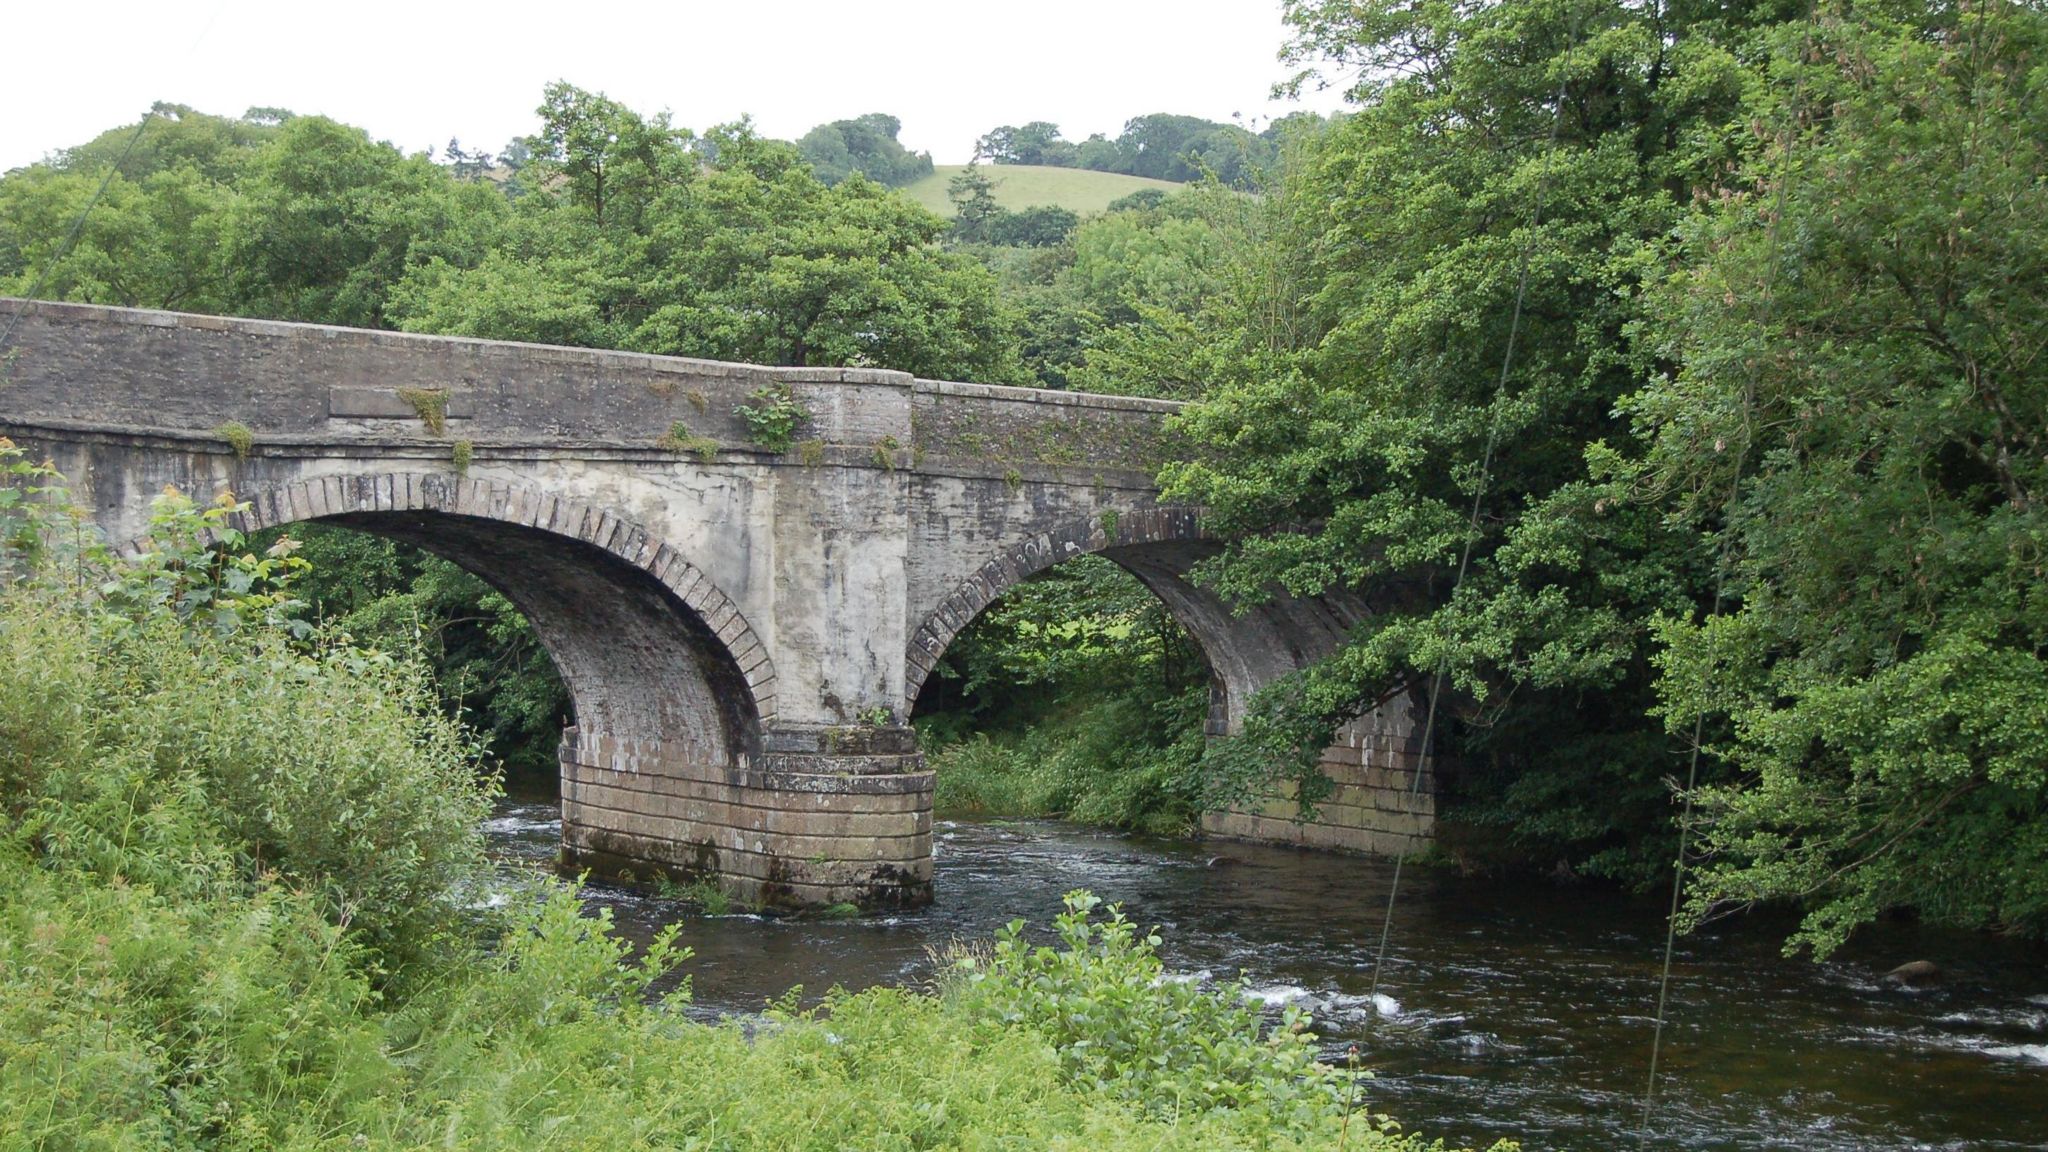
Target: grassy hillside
1026,185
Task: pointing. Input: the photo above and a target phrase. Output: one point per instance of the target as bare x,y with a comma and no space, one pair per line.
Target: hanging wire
35,290
1500,393
1788,145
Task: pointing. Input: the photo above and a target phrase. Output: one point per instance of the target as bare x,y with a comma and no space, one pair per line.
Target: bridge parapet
116,370
986,429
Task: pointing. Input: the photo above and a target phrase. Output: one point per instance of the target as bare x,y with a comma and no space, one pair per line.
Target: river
1506,1010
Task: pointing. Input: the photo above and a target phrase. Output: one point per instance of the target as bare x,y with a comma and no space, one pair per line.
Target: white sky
417,73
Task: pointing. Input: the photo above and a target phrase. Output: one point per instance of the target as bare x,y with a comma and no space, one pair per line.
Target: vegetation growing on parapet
681,440
430,405
885,453
237,436
773,415
460,454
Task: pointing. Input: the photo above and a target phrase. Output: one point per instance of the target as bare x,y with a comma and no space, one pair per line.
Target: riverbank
1508,1008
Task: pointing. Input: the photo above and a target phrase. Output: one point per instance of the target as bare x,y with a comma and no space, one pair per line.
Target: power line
1773,243
35,290
1500,393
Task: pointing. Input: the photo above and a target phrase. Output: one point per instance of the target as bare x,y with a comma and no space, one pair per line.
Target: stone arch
650,648
1245,649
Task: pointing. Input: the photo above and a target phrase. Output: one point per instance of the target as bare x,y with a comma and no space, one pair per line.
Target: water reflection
1520,1011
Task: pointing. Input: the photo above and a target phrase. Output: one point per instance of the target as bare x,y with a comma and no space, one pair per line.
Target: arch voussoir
1000,573
524,506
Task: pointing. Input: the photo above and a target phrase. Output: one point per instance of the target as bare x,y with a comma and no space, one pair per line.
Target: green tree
611,162
177,137
467,164
327,221
975,209
1361,406
1039,226
1035,143
1161,146
764,263
867,145
153,242
1859,321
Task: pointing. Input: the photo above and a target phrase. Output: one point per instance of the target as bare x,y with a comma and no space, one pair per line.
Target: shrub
1103,1001
167,723
772,414
1096,761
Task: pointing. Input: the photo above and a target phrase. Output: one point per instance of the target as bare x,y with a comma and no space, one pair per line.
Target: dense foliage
1571,275
1347,447
1878,407
864,144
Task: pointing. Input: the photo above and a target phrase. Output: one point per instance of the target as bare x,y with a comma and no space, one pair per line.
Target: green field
1028,185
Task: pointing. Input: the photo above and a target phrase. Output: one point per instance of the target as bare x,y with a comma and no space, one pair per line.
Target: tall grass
1097,761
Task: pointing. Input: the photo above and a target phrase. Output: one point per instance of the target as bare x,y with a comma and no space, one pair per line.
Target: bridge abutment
1375,805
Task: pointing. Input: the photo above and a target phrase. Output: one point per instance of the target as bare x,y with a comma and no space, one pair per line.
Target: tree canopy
867,145
1159,146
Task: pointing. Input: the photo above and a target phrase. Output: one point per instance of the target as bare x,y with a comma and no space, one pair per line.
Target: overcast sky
418,73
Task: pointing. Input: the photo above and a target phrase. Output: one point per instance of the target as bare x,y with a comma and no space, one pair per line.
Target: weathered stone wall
743,632
1004,430
112,369
1374,807
636,810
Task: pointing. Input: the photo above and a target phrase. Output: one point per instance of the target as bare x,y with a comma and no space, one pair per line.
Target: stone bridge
742,632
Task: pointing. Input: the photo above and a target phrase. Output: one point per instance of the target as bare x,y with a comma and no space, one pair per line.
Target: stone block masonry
742,632
636,811
1373,807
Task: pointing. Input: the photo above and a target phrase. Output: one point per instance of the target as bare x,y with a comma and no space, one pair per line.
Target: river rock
1915,974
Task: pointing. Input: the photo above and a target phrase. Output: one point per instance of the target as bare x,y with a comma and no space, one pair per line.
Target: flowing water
1520,1011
